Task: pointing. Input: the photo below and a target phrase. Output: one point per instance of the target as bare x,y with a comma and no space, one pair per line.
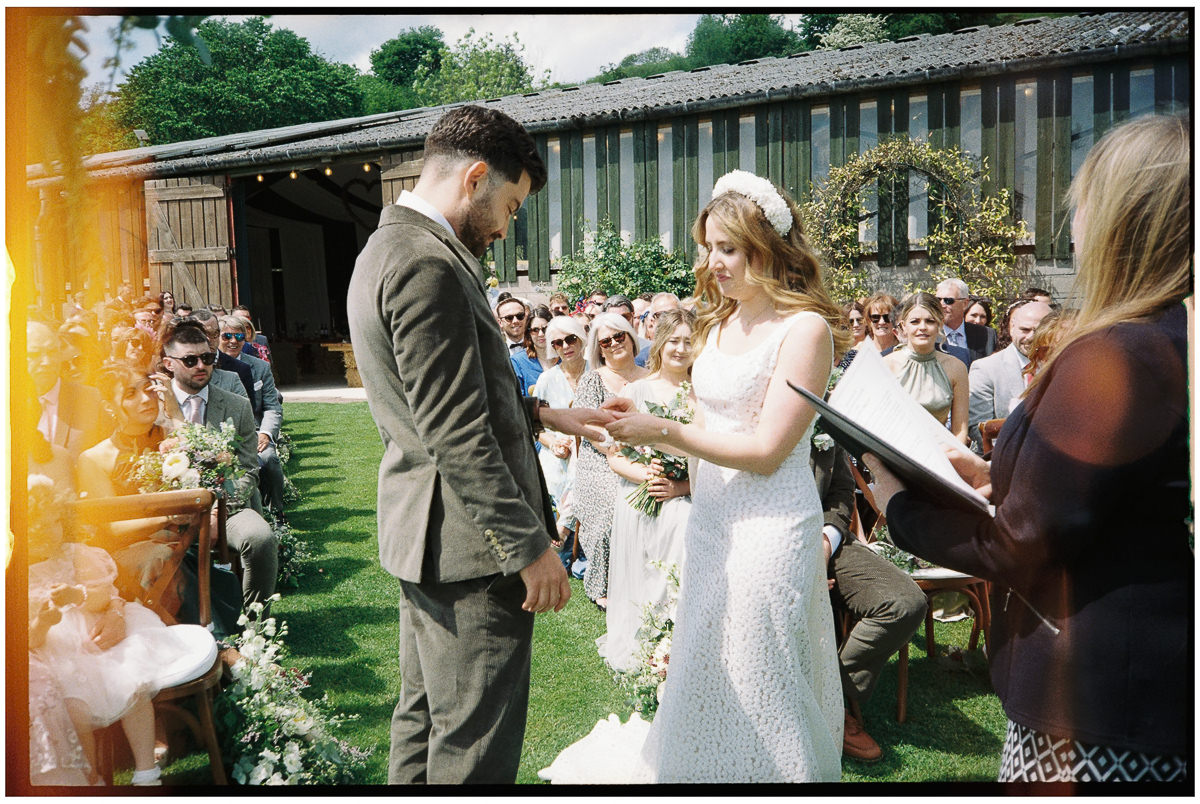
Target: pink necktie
192,409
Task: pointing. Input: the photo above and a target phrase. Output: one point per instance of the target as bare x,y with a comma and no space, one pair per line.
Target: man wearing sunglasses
212,330
189,358
512,317
966,341
465,522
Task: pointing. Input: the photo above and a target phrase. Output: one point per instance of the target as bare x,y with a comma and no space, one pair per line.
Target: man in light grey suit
997,381
465,522
201,403
234,332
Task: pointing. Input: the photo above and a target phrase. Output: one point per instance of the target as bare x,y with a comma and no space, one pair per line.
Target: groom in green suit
464,518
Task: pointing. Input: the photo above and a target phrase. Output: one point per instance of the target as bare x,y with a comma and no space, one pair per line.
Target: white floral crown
762,193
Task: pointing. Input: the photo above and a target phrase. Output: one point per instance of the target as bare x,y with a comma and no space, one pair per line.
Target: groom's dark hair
475,133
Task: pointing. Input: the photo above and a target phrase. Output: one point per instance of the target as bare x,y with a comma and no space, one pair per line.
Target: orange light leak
61,239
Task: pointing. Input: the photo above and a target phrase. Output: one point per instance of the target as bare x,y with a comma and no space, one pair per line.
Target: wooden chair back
988,431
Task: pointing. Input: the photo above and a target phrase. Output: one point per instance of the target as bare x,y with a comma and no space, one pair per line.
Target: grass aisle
343,630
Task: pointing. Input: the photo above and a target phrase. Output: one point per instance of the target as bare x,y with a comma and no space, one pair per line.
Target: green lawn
342,629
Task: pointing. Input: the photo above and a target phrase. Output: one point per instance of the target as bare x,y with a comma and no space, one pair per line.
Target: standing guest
537,355
935,379
641,306
464,520
268,420
595,302
857,321
190,359
998,381
560,304
638,539
610,353
557,387
1038,294
979,312
881,330
967,341
167,300
621,305
584,320
659,304
1091,648
512,317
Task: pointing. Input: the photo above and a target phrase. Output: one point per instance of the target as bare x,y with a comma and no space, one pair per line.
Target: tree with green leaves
855,29
396,60
634,268
256,77
477,67
643,63
730,38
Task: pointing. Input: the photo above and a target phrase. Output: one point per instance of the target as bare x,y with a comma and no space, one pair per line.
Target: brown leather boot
857,743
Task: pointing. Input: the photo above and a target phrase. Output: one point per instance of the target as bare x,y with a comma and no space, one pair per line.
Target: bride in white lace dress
753,692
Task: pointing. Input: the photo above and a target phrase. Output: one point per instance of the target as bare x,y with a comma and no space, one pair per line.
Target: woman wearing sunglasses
611,349
557,387
881,332
536,356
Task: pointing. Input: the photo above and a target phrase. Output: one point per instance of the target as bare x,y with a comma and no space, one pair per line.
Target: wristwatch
538,407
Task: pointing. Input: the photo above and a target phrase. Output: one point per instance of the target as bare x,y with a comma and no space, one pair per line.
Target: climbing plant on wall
970,237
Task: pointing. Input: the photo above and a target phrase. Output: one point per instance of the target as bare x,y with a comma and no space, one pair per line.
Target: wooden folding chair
988,431
197,504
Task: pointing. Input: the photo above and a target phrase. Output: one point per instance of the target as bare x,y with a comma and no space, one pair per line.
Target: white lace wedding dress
753,692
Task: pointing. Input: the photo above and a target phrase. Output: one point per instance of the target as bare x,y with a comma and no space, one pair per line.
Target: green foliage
475,69
632,269
379,95
99,129
396,61
855,29
973,239
730,38
813,27
258,77
647,62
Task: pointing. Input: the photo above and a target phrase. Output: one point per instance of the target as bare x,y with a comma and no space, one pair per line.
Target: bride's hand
619,404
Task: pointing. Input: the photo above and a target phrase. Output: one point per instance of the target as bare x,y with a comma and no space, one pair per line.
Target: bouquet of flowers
674,466
271,732
645,684
195,457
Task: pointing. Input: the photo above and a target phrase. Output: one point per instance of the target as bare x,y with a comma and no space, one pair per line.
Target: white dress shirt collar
181,394
961,340
418,204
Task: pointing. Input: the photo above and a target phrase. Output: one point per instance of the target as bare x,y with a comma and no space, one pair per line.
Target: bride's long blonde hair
784,267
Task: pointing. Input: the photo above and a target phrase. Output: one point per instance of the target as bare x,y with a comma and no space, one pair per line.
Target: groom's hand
584,422
546,586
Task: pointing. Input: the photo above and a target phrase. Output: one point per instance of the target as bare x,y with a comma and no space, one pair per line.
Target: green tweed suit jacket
461,494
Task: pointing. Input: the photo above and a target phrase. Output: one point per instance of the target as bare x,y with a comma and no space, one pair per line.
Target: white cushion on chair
198,651
937,574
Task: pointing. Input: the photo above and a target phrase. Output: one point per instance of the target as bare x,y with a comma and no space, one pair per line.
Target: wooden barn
274,219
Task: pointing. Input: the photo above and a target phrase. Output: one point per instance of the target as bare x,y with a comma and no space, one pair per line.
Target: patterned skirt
1031,756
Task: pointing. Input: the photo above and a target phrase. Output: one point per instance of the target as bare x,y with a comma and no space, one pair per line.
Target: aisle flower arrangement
272,734
674,466
645,685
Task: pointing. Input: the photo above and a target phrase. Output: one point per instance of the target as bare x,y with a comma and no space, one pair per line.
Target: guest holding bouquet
1089,552
652,503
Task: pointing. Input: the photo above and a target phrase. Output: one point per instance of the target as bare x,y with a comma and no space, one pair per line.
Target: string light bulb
366,167
328,170
259,177
292,175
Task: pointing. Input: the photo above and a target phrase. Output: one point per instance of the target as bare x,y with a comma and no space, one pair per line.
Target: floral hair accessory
762,193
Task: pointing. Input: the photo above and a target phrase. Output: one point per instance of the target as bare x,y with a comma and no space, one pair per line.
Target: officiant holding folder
1088,554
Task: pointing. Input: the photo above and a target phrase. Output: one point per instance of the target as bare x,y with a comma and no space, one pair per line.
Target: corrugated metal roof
961,55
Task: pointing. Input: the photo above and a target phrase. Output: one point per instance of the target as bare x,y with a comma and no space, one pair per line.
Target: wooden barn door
190,249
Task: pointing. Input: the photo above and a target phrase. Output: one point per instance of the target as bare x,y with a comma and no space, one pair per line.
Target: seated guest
234,332
1089,551
537,356
225,362
70,414
998,381
885,603
189,357
230,381
256,342
935,379
1046,338
183,309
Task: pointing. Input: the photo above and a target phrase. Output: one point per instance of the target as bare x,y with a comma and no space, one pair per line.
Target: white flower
291,757
823,441
762,193
174,465
190,479
36,481
259,775
299,724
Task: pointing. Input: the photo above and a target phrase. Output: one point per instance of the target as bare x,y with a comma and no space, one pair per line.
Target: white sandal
147,778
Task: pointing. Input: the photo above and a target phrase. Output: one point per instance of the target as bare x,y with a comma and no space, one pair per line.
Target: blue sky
573,47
